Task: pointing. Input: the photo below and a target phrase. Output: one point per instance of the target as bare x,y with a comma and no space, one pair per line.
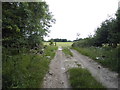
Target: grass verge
26,70
111,57
81,78
67,51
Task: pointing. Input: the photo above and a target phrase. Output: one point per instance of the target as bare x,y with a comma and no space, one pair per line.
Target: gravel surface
56,77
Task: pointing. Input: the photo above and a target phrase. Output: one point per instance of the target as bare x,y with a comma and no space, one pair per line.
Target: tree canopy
109,31
25,23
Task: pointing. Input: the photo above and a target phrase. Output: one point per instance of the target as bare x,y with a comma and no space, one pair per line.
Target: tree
23,26
114,33
51,42
25,21
101,34
78,36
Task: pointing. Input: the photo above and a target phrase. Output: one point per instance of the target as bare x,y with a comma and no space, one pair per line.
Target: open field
63,44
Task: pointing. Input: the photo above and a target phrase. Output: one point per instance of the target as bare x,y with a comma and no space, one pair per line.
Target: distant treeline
59,40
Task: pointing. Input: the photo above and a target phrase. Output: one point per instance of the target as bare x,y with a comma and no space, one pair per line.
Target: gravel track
57,77
106,77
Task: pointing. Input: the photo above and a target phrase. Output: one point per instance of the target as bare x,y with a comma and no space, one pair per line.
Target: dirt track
103,75
58,78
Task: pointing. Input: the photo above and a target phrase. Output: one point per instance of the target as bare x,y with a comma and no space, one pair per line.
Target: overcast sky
79,16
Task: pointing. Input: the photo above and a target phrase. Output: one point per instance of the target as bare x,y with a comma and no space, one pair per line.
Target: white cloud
79,16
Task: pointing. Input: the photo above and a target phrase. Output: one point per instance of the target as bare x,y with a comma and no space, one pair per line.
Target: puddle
66,60
63,68
60,48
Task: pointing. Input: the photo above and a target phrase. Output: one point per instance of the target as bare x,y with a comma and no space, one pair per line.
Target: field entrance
62,44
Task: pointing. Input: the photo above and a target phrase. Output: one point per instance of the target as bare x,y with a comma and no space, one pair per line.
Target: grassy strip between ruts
26,70
81,78
107,56
67,51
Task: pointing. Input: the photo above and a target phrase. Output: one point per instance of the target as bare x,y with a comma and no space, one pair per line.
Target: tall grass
81,78
26,70
111,56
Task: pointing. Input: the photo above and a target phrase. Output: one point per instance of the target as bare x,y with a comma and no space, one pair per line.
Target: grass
81,78
63,44
26,70
67,51
111,58
50,51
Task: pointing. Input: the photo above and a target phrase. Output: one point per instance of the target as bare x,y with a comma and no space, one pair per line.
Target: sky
79,16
